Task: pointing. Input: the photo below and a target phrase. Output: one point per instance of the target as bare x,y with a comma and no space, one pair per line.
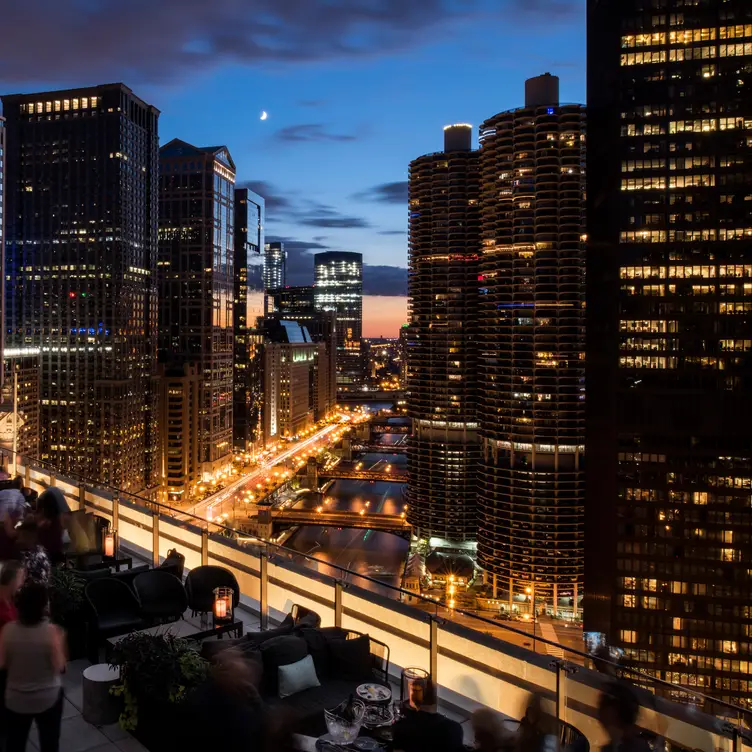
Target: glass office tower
669,449
248,371
275,270
81,262
442,346
338,286
196,285
532,416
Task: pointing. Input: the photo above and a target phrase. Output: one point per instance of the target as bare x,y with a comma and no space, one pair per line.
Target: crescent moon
264,115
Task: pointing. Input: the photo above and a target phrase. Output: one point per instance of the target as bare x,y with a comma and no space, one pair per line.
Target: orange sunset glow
383,316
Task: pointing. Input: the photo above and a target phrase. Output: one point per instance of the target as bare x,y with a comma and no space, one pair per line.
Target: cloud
385,193
274,199
310,133
392,232
312,102
340,222
290,207
143,41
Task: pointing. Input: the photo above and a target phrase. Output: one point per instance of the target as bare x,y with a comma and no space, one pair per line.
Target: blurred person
231,693
421,728
536,732
53,514
32,554
11,579
618,710
489,732
12,575
32,652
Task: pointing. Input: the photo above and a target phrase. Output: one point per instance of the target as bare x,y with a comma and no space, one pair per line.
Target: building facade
338,286
19,410
532,292
81,261
275,270
442,347
180,407
669,447
296,375
196,285
248,370
2,237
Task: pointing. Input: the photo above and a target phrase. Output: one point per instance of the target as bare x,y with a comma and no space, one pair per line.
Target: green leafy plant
66,596
155,670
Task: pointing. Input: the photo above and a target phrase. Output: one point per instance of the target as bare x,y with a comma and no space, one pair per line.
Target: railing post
27,474
338,603
204,546
155,538
115,512
434,653
264,590
52,479
82,495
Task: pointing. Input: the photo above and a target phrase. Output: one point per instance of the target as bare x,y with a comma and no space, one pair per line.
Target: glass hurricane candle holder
223,605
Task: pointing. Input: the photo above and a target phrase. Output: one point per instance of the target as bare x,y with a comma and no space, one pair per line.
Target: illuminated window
628,635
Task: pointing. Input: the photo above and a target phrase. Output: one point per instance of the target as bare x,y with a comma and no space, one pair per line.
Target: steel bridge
337,473
391,523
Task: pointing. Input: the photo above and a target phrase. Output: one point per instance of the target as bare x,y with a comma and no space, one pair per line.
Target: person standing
33,556
32,651
11,578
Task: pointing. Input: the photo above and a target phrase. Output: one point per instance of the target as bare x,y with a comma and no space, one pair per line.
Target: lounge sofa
343,659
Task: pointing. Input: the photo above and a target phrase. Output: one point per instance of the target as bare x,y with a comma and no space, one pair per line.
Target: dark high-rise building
81,263
444,243
669,344
298,304
532,410
248,373
338,285
293,300
196,285
2,237
275,270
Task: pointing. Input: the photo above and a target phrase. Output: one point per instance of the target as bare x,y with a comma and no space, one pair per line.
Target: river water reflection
369,552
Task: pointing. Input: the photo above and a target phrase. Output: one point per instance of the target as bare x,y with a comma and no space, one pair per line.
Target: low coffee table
184,629
374,694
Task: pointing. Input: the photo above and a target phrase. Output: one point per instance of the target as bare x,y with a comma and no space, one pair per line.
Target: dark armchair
114,610
162,595
200,584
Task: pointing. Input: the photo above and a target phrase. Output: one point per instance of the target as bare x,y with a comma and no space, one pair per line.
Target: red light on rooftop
71,294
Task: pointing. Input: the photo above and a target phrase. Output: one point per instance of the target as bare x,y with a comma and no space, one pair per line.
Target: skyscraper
669,436
275,269
81,262
2,239
532,280
298,304
248,377
338,286
196,285
444,242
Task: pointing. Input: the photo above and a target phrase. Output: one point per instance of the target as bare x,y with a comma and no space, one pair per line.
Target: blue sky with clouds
354,89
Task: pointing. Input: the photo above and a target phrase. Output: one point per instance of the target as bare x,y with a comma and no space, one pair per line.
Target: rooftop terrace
470,668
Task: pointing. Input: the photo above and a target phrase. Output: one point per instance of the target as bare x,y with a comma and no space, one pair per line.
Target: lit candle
220,608
109,545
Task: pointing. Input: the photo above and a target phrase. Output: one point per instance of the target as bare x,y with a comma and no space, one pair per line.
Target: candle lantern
223,605
109,544
415,689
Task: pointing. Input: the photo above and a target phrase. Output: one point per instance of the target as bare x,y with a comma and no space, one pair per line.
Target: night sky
354,90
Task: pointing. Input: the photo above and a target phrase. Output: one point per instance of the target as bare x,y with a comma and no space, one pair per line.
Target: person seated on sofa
231,692
421,728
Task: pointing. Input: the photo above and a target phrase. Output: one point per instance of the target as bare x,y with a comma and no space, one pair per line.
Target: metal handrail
155,506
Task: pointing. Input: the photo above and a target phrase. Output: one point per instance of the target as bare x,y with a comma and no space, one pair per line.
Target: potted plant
67,608
157,674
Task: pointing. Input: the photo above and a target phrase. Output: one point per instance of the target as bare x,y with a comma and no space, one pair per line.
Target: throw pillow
295,677
318,649
351,659
280,651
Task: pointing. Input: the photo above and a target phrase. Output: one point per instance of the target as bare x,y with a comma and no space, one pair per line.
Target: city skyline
331,159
